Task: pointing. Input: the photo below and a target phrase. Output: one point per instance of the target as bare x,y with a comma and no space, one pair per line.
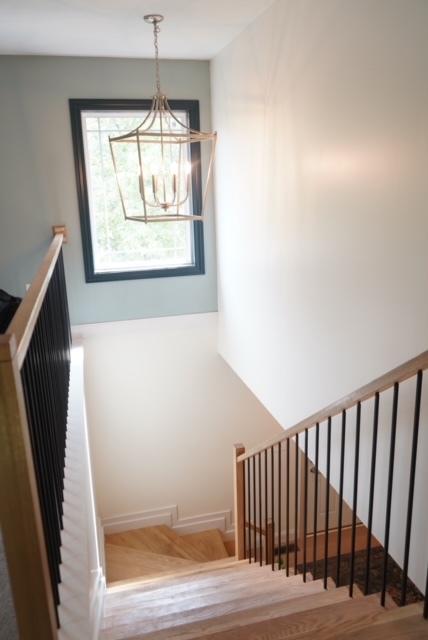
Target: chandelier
158,165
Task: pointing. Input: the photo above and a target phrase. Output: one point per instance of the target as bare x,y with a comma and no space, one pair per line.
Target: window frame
77,106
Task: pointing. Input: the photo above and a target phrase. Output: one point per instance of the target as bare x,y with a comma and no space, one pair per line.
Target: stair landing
156,550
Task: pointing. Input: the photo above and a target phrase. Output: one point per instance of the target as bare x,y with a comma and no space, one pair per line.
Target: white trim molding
169,516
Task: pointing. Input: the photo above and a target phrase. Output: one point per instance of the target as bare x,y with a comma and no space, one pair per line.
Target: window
115,249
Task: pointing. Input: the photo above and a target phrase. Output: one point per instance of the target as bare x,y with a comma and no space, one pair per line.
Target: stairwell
163,585
166,586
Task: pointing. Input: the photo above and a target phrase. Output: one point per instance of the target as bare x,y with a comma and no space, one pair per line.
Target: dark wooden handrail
384,382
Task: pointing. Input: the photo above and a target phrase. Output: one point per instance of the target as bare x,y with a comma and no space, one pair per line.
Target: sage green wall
38,188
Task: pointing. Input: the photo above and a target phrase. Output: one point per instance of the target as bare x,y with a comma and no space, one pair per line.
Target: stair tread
159,539
336,620
124,562
404,623
193,582
235,619
197,572
209,543
198,583
166,614
218,589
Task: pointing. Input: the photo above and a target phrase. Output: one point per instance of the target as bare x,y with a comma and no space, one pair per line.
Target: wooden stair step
209,543
200,572
159,539
236,619
214,590
235,577
404,623
163,615
124,562
329,624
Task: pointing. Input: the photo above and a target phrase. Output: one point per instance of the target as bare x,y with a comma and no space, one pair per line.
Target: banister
399,374
14,343
34,377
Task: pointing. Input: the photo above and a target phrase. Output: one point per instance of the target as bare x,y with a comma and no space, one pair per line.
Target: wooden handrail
14,343
399,374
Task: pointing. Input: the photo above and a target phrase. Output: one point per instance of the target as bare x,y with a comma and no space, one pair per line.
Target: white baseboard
221,520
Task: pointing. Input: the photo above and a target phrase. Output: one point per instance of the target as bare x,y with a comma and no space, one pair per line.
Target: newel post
239,493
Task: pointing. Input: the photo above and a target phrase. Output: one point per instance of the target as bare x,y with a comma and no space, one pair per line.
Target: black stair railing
45,378
276,484
34,387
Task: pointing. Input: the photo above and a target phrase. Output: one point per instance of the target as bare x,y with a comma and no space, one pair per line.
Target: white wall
321,196
164,411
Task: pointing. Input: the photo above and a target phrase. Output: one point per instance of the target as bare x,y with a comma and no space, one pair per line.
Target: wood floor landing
157,550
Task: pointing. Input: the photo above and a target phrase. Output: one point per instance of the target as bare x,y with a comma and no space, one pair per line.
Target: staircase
190,588
166,586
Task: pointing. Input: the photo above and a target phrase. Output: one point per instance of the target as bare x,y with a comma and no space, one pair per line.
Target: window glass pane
120,245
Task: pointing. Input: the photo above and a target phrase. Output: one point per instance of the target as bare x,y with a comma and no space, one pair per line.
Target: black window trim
100,104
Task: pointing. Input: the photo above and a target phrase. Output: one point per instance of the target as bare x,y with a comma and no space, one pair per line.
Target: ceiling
194,29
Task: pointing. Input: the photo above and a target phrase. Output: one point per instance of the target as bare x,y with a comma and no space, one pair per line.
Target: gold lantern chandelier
158,164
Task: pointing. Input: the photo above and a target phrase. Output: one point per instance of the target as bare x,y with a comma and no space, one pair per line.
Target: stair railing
261,477
34,379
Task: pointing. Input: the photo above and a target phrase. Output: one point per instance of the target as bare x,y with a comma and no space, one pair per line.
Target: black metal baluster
254,509
245,510
50,525
279,506
305,507
340,514
37,402
52,447
317,448
249,508
296,503
45,381
371,494
260,509
389,492
355,499
426,599
411,488
327,503
272,505
267,542
43,436
287,515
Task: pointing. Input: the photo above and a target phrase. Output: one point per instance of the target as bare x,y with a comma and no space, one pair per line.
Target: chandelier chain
156,31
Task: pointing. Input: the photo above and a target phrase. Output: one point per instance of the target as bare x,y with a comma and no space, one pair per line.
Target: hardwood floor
156,550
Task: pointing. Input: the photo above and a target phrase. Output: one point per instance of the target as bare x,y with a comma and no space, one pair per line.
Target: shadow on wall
8,628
